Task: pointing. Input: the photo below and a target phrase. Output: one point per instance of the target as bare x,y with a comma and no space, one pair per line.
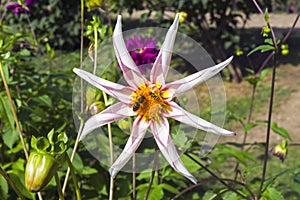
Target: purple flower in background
17,8
30,2
143,51
280,150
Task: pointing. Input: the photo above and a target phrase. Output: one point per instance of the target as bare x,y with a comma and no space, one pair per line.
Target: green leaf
248,126
18,180
156,193
6,113
43,100
272,194
10,137
169,188
3,188
280,131
262,48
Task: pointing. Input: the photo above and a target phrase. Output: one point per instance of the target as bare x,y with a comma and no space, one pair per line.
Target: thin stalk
81,52
13,111
32,30
246,133
216,177
12,185
133,178
73,155
268,127
61,196
111,149
78,195
152,174
81,95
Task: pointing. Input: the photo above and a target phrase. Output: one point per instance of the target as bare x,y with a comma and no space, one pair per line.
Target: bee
154,96
141,99
137,105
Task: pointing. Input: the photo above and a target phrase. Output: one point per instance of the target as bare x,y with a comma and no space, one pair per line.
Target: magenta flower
143,51
17,8
151,101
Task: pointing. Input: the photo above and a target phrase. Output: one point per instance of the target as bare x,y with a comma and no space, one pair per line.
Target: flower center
147,101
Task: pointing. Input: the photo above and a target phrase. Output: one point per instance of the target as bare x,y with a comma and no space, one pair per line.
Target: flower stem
74,178
268,127
152,174
13,111
73,155
216,177
111,149
81,96
11,183
61,196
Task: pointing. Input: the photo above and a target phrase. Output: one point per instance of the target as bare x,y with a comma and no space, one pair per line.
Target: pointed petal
139,129
131,72
164,142
113,113
182,85
120,92
161,65
183,116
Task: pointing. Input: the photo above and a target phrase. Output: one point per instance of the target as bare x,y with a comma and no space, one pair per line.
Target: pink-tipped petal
113,113
120,92
167,148
183,116
131,72
185,84
161,65
139,129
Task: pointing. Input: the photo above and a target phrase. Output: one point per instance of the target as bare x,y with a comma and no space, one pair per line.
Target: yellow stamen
148,102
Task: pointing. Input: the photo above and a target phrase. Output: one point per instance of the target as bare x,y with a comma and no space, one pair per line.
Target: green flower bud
97,107
39,171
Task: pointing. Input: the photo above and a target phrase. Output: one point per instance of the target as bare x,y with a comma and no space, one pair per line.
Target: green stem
13,111
12,185
61,196
268,127
74,178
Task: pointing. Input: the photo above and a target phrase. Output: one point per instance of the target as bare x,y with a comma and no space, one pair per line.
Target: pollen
148,102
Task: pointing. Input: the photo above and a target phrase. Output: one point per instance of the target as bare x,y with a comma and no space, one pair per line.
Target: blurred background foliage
41,49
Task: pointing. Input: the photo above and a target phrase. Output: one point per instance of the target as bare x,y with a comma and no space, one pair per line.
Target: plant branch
152,173
61,196
216,177
13,111
12,185
268,127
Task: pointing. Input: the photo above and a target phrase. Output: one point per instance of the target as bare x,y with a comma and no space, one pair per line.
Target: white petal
131,72
164,141
185,84
161,65
113,113
120,92
139,129
183,116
